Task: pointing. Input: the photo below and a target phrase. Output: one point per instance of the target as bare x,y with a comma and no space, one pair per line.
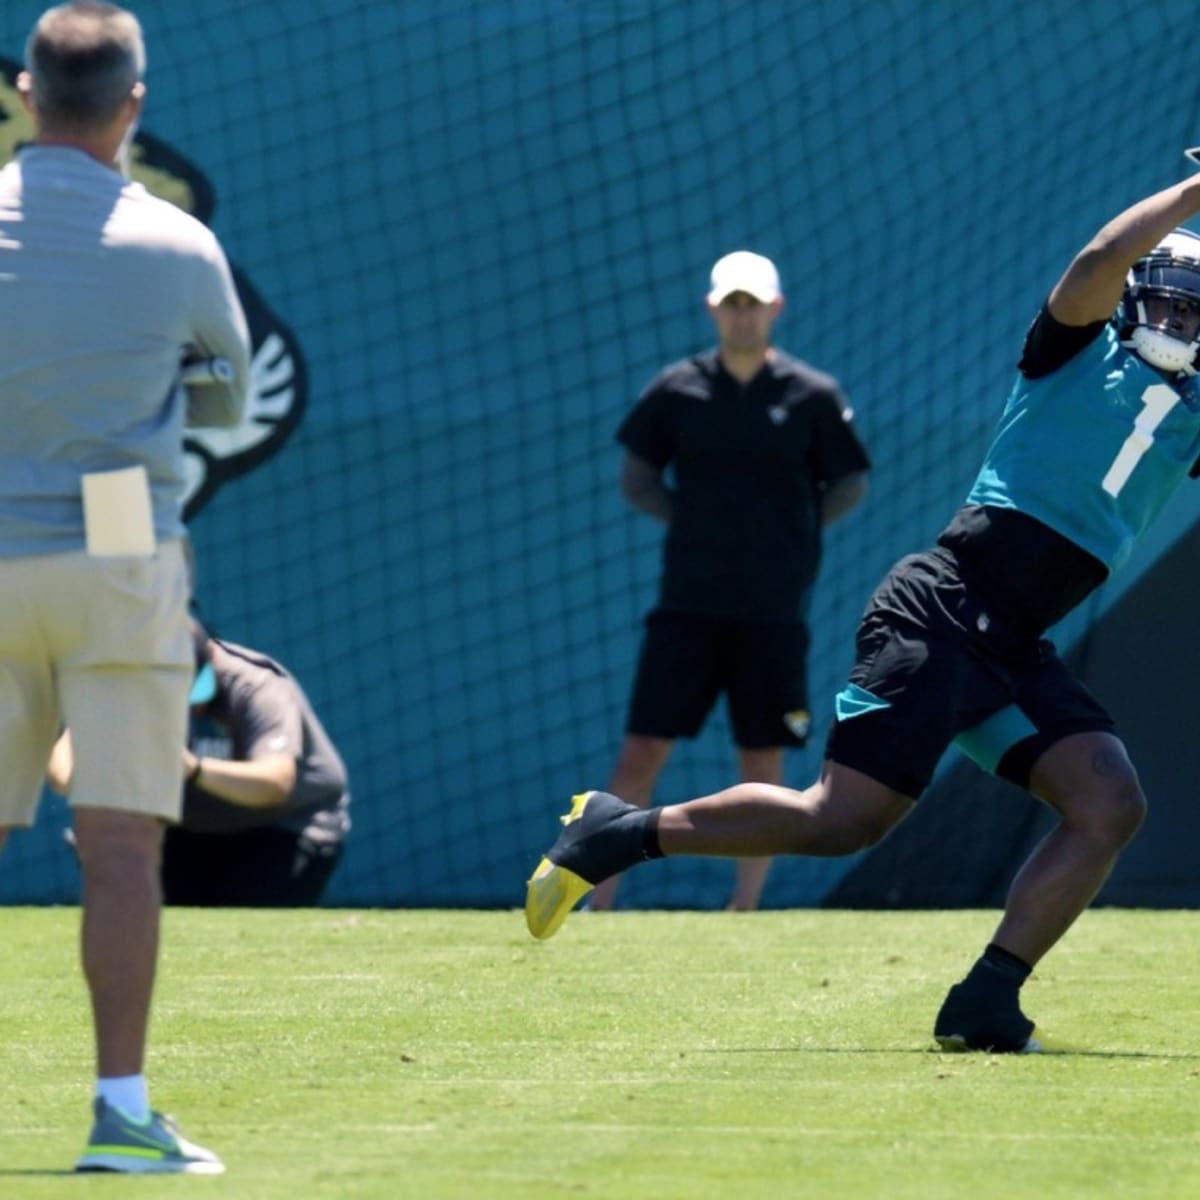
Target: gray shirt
102,288
260,709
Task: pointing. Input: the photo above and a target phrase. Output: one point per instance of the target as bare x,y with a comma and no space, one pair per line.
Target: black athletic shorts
687,661
935,664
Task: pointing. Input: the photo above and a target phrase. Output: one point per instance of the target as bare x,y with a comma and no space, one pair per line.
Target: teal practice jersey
1095,449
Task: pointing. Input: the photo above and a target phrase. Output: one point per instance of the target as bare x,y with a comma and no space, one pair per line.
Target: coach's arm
643,487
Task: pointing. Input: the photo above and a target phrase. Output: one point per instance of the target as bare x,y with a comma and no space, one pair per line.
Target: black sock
650,846
996,964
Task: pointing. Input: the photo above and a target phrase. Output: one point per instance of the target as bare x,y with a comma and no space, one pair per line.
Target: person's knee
640,760
1091,782
848,832
1111,814
1119,813
118,847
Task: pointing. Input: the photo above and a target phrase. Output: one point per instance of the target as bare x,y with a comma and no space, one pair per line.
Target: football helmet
1159,316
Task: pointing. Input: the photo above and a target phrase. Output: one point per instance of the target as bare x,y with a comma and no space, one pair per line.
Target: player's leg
1088,780
842,812
1056,742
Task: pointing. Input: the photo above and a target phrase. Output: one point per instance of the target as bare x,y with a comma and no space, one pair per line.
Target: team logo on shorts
278,378
799,721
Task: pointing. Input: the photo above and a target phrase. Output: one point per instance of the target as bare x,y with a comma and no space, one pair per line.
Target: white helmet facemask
1163,351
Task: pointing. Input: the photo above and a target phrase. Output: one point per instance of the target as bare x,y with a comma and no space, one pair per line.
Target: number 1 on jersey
1157,400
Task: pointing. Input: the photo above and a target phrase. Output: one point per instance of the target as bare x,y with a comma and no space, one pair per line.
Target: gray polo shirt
102,288
260,709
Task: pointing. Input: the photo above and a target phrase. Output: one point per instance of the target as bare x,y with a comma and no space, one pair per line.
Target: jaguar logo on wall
279,381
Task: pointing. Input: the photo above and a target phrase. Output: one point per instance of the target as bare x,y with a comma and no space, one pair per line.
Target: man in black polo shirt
761,456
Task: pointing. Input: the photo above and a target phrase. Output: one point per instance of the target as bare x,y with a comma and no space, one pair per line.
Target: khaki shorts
102,646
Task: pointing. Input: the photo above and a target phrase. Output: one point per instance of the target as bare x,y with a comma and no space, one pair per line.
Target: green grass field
341,1054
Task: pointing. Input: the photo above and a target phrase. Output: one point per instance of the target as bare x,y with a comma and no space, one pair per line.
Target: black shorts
257,868
936,665
687,661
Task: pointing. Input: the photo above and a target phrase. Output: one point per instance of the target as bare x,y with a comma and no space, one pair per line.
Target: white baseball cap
742,271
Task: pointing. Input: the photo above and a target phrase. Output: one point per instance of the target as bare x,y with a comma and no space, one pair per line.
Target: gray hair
84,59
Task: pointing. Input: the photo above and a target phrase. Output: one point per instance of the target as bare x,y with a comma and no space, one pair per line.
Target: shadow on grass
1045,1052
17,1172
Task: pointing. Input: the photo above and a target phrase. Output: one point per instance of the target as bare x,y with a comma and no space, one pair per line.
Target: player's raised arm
1091,286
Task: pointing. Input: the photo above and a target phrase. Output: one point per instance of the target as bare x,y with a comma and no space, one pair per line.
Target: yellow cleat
602,836
550,895
553,890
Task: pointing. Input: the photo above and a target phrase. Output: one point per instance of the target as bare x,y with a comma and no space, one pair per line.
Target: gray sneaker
150,1146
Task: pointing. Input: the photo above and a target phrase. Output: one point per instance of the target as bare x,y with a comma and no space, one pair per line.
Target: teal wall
485,225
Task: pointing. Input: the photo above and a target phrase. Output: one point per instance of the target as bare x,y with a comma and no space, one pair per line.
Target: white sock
126,1092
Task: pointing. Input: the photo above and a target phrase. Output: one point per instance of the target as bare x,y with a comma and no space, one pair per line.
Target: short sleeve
1049,344
267,717
646,431
836,448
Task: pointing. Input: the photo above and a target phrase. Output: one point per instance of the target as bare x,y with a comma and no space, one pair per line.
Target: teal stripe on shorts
989,741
